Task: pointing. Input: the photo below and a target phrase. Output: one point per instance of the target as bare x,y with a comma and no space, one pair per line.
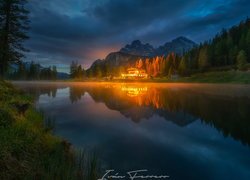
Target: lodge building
134,73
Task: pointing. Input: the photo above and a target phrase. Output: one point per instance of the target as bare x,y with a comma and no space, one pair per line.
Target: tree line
229,49
33,71
77,71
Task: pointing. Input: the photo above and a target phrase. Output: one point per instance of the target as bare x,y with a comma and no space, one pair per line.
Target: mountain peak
136,43
178,45
138,48
183,39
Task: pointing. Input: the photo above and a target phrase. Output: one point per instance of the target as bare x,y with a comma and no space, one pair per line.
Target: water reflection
225,108
134,90
174,129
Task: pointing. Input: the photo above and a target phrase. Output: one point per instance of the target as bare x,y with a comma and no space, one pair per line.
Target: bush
5,118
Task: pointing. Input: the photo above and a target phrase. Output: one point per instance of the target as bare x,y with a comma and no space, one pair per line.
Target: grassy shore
28,149
232,76
237,77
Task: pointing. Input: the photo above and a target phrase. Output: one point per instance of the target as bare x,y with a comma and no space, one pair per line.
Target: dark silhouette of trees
223,49
14,24
76,71
183,69
241,60
33,71
223,52
203,61
54,73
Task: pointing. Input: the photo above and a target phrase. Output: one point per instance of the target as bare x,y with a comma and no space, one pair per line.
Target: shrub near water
28,150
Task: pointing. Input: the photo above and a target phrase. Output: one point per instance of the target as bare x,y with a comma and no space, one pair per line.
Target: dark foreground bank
29,150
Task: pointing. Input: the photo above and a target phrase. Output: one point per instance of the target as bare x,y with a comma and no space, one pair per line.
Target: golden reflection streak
134,91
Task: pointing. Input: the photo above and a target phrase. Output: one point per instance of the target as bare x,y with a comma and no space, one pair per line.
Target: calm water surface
186,131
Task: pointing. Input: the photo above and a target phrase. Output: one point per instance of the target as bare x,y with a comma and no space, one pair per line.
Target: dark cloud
86,30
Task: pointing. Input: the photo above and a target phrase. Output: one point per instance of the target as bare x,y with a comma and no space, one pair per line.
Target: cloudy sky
86,30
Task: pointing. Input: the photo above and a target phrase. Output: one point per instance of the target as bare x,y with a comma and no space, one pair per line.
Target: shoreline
221,89
27,138
83,83
221,77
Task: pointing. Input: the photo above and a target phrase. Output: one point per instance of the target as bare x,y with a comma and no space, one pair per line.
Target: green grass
29,150
240,77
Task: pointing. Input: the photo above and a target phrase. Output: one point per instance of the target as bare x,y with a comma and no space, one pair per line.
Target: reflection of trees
75,93
226,115
230,115
37,90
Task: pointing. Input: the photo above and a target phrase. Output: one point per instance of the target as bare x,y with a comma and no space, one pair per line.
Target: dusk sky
86,30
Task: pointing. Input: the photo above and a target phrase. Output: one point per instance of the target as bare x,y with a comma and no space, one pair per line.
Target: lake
185,131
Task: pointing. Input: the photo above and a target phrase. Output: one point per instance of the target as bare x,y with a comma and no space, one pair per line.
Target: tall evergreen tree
21,71
168,63
183,66
73,69
248,45
203,58
33,71
79,72
170,72
241,60
54,72
14,24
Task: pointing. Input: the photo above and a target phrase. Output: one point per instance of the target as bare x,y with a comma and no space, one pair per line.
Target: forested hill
229,49
223,49
118,62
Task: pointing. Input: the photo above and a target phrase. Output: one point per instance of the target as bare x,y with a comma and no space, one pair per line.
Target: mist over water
187,131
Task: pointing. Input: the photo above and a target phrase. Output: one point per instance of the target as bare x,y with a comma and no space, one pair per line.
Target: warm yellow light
134,72
134,91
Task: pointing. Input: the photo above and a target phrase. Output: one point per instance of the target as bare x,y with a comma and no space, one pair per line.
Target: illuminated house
134,73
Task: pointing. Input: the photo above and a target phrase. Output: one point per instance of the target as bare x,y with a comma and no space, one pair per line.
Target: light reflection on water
187,131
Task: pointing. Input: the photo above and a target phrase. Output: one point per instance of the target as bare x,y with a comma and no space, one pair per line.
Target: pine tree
139,64
203,59
183,67
168,64
248,45
54,72
79,72
241,60
13,28
73,69
170,72
83,73
21,71
33,71
98,71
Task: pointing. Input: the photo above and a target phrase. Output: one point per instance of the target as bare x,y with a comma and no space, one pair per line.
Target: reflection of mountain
143,106
137,113
182,106
178,45
180,118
